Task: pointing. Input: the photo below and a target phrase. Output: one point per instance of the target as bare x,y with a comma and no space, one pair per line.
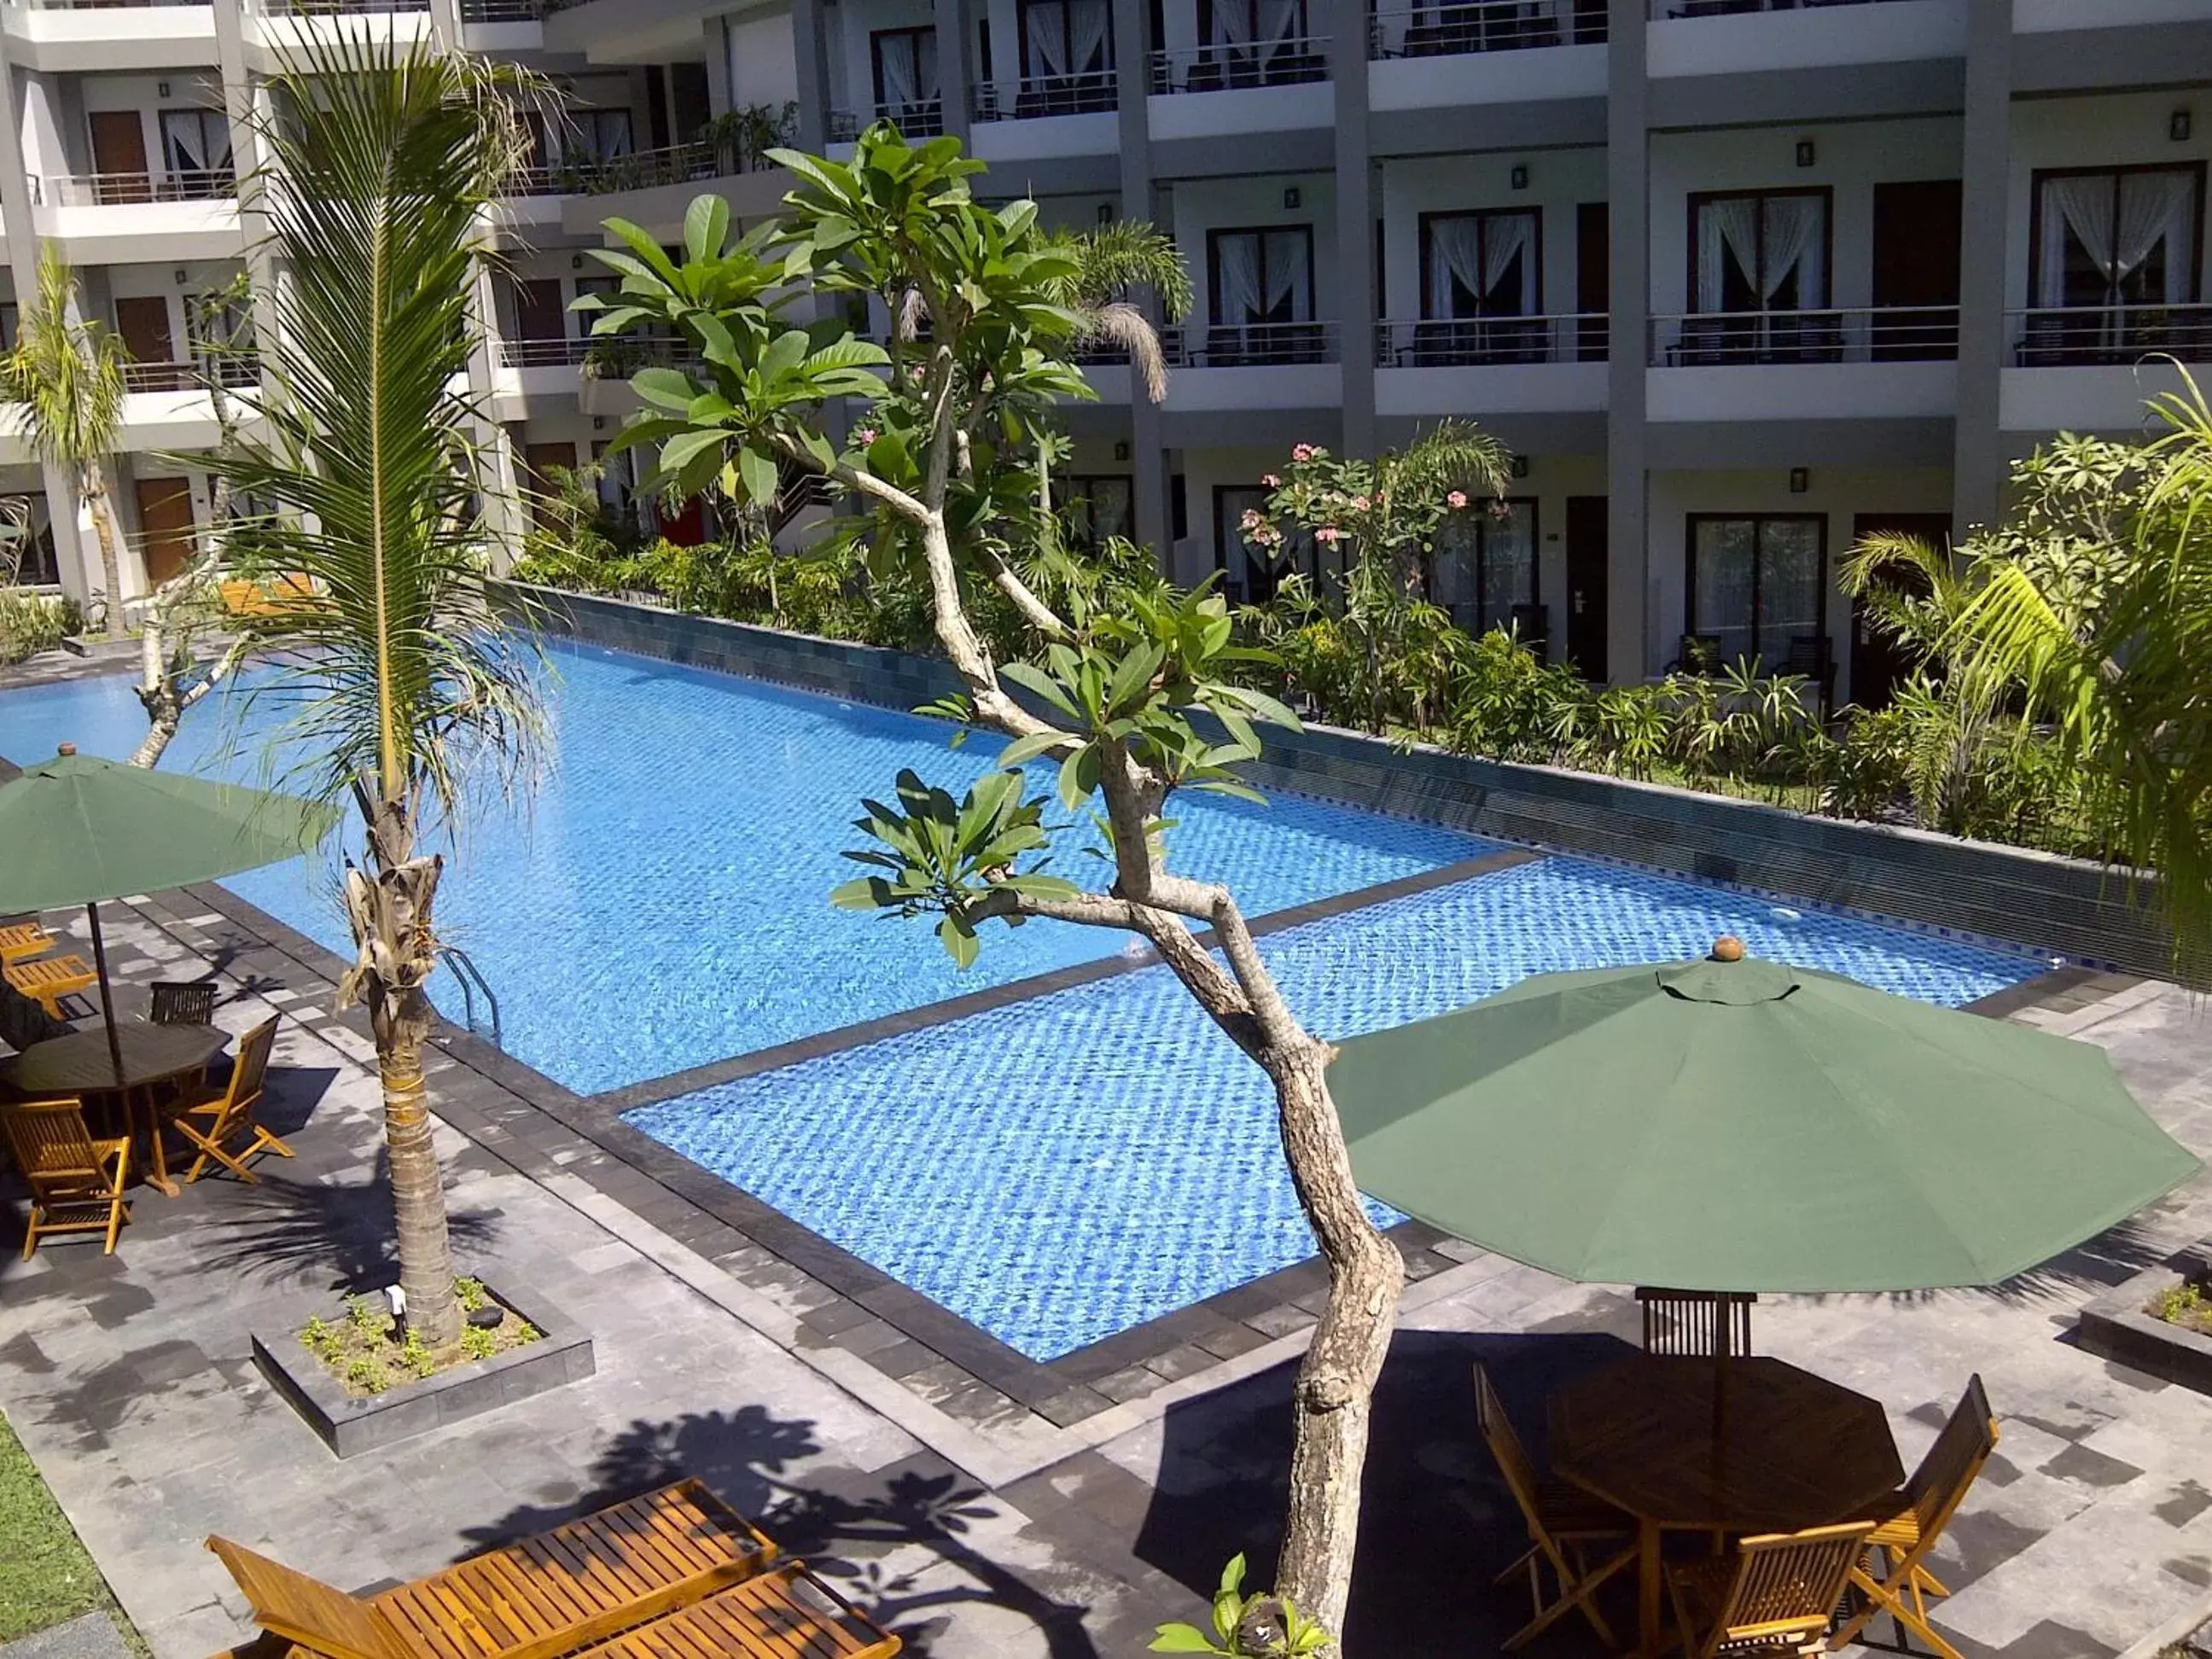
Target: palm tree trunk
97,504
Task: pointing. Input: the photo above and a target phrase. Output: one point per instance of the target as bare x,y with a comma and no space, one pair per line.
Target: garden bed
359,1390
2158,1321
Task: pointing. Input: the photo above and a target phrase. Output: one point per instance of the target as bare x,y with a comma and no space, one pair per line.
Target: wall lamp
1801,480
1520,175
1806,154
1291,198
2177,126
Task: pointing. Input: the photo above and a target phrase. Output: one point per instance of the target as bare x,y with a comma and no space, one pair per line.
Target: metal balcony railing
1667,9
118,189
1445,31
1459,342
597,175
542,354
343,8
923,119
2079,336
101,5
503,11
1249,345
1867,335
1243,64
1035,95
231,368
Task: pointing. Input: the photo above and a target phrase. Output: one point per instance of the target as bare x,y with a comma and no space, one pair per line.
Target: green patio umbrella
77,829
1733,1125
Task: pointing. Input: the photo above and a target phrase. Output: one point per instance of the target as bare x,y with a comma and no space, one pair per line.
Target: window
615,477
2119,236
906,78
1761,250
606,286
1257,27
600,134
27,543
1483,569
196,152
1061,38
1096,508
1481,265
1251,571
1261,293
1758,583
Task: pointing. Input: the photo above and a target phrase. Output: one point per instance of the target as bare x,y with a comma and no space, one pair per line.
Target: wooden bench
547,1596
19,939
785,1613
49,978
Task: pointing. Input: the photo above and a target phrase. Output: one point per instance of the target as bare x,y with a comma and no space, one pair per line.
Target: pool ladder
473,984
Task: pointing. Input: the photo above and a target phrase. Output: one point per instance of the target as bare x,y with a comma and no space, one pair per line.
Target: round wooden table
1683,1444
82,1064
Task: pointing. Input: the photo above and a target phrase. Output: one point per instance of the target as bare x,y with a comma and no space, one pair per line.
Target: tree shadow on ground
898,1540
297,1232
1436,1522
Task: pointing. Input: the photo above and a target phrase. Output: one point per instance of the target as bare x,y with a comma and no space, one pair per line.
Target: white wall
1485,77
764,63
1200,206
1849,159
159,282
1558,182
1836,493
2041,17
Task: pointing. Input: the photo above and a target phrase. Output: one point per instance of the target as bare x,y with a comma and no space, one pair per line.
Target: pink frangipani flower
1457,499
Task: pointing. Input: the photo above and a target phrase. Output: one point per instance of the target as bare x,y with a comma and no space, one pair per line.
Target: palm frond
1453,455
65,373
1112,258
1122,325
381,165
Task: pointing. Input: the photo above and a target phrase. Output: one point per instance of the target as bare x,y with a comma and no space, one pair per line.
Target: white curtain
1046,34
1796,229
1088,21
1455,255
2082,205
1725,227
1507,236
1236,280
2155,207
909,66
1286,274
1232,22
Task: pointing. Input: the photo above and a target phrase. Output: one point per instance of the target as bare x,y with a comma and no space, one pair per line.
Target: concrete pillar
1355,222
810,42
956,54
718,100
1148,460
1977,455
1628,137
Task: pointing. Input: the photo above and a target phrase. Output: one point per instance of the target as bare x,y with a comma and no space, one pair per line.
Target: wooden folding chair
20,940
1563,1521
787,1613
1775,1594
230,1114
49,978
183,1002
76,1181
1696,1323
1913,1521
548,1595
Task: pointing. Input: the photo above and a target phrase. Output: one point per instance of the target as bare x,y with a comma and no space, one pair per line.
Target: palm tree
1110,260
400,679
66,375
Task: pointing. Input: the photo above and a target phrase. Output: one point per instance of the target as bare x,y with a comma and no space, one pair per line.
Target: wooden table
1784,1450
82,1064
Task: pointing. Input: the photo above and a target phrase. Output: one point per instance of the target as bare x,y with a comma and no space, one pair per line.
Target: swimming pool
663,902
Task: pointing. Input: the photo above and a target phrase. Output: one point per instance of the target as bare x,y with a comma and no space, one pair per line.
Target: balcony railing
1458,342
1664,9
1446,31
544,354
924,118
2079,336
118,189
503,11
230,368
1248,64
102,5
1249,345
1035,95
598,175
343,8
1887,335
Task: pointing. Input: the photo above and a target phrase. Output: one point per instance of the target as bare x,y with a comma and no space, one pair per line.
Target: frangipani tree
1129,693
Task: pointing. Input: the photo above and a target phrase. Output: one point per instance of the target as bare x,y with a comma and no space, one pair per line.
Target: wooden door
539,461
538,312
143,323
1877,663
118,156
1915,270
166,527
1593,277
1587,553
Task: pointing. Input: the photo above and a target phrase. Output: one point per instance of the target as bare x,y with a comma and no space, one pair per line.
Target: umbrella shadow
853,1527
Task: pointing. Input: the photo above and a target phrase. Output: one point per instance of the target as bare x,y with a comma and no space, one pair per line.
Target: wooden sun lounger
785,1613
19,939
547,1595
49,978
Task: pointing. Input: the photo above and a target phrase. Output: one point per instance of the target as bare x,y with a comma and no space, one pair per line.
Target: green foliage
415,1355
30,622
478,1343
471,1295
1245,1627
46,1576
365,1316
2184,1304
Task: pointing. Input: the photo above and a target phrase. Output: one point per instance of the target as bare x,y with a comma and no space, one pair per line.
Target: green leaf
959,940
664,388
866,893
680,450
706,227
757,473
1021,751
1181,1638
1032,679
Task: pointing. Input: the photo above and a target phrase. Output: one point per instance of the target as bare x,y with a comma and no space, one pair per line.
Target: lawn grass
45,1575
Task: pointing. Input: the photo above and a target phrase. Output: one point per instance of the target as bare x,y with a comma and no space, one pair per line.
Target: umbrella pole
106,993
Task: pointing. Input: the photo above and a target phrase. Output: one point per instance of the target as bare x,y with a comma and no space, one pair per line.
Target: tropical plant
384,163
741,138
946,458
32,621
1111,261
1246,1626
65,374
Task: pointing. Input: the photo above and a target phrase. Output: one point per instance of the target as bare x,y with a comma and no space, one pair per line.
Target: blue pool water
664,900
1063,1169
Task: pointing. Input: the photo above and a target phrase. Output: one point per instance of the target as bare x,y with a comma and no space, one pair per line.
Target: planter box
351,1424
2116,1326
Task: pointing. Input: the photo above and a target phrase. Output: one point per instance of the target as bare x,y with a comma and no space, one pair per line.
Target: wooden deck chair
20,940
1696,1323
1914,1519
548,1595
229,1114
1563,1521
49,978
1775,1594
76,1181
183,1002
786,1612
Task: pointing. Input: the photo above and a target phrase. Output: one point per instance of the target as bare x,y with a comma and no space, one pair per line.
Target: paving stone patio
979,1525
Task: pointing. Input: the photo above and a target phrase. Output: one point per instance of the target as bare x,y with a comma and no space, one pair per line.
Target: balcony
1475,26
1040,96
233,368
1470,341
1238,67
1486,365
1705,37
105,218
124,189
81,36
504,11
1858,364
2117,336
1249,345
1663,9
923,120
341,8
644,169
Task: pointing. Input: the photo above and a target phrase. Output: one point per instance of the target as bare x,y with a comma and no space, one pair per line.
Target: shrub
32,622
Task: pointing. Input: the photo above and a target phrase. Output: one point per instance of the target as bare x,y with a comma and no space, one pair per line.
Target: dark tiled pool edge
691,1080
